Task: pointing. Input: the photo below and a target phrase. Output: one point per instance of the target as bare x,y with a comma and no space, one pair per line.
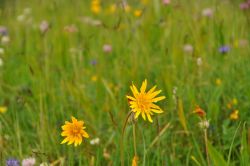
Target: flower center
143,103
75,130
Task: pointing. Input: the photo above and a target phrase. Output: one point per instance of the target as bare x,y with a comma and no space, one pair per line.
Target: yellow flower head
235,101
144,2
95,9
143,102
112,8
234,115
95,6
3,109
218,82
74,132
135,161
137,13
94,78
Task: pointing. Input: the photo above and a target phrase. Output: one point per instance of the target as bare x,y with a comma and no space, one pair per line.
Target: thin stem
206,146
231,146
134,137
123,131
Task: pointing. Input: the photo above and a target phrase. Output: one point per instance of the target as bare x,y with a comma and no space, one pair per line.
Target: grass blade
215,156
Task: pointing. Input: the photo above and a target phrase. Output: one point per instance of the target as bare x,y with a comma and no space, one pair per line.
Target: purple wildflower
93,62
3,31
12,162
224,49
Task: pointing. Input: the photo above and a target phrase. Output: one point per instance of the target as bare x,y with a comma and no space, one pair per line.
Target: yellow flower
3,109
94,78
95,9
112,8
74,132
143,102
95,6
234,115
144,2
218,82
137,13
235,101
135,161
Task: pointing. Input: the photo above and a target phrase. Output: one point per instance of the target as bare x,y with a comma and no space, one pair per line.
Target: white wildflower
95,141
29,161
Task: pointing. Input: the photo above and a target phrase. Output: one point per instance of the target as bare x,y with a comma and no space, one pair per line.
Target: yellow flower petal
137,114
152,95
151,90
65,140
154,106
143,86
149,118
64,133
157,111
134,90
131,98
85,134
71,141
73,119
158,99
143,116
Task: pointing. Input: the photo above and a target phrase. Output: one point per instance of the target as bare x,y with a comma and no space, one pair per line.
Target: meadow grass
48,77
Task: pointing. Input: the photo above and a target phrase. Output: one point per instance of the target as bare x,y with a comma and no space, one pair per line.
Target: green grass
43,83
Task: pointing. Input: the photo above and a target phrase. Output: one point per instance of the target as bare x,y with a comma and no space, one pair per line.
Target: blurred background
63,58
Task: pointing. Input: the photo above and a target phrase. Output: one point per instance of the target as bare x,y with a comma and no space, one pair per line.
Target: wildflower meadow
125,82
